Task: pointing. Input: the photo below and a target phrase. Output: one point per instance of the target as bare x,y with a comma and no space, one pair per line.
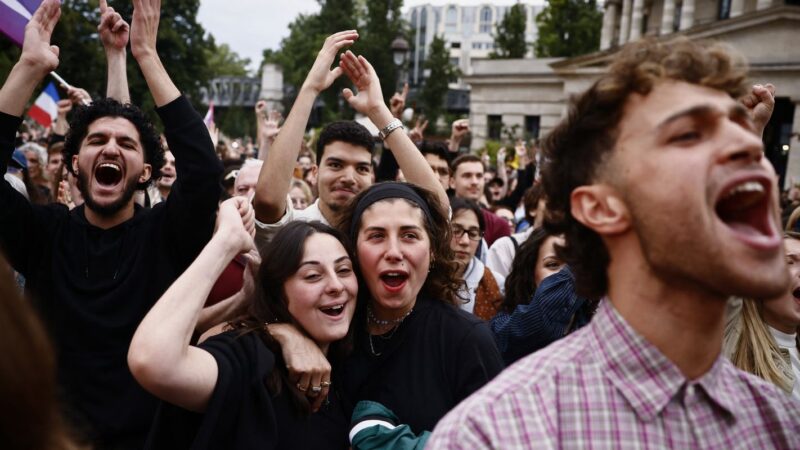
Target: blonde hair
756,351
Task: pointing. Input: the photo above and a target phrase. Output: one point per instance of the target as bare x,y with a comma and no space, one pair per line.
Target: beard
82,182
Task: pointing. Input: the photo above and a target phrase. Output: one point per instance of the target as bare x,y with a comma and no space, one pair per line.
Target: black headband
383,191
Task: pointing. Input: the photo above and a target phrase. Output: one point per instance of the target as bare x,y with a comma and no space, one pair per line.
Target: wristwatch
387,130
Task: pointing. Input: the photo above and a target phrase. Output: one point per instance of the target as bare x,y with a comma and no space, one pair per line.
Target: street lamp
399,49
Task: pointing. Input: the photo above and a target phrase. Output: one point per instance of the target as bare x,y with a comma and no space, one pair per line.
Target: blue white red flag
45,108
14,15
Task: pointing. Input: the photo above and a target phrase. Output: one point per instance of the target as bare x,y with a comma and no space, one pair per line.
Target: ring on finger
301,388
315,390
325,384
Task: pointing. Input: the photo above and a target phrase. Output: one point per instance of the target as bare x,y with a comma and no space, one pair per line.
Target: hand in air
36,49
321,76
760,102
236,223
113,29
363,76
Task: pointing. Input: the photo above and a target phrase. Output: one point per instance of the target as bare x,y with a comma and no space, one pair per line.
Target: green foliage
568,28
383,22
434,91
298,51
509,41
222,61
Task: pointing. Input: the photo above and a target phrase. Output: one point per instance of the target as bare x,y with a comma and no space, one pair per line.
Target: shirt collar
644,376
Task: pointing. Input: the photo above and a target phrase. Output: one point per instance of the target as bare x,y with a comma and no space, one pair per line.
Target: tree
383,22
568,28
509,41
442,73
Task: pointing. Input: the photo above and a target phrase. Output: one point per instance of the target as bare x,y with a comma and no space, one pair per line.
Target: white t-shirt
502,253
266,231
789,342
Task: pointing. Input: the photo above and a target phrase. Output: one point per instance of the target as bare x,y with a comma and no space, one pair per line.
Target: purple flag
14,15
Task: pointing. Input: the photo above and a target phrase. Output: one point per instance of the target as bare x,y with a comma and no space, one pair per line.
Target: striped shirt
605,386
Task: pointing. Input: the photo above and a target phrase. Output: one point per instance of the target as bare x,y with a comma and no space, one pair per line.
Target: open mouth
796,294
394,280
108,174
333,311
744,207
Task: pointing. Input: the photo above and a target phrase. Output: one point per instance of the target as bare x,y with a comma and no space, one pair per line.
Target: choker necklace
371,318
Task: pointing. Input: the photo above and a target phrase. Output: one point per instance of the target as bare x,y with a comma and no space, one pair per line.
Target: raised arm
276,173
114,36
160,357
38,58
761,103
369,101
144,31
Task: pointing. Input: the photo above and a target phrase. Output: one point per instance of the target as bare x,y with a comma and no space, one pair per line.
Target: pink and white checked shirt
606,387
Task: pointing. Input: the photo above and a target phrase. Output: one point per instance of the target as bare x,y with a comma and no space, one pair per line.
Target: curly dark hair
521,283
348,131
83,116
281,259
442,282
577,148
457,204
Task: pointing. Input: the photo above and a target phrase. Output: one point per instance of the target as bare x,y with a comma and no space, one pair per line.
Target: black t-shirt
242,413
438,356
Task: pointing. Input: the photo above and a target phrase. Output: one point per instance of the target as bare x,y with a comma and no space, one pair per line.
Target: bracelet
387,130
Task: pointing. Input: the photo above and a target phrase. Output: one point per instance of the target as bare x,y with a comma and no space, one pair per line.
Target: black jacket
92,286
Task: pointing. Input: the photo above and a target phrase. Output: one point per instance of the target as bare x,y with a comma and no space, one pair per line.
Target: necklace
372,318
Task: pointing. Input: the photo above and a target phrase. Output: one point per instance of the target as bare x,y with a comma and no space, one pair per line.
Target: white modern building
467,30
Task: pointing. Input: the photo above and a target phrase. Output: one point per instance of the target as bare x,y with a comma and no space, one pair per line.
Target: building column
687,14
636,20
737,8
793,164
625,22
609,22
668,17
763,4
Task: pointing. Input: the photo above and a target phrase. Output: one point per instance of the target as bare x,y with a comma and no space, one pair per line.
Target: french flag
45,108
14,15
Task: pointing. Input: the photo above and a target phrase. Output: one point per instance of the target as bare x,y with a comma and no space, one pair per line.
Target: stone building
532,93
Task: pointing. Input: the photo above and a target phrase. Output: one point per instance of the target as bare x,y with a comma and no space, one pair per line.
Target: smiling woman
237,380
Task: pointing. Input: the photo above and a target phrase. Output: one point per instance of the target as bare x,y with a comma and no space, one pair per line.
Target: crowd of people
624,283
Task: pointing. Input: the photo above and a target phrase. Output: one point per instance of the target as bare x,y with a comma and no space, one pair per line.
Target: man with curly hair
658,179
95,271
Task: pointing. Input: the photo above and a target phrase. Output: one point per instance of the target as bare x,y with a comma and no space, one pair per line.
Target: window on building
495,127
467,15
486,20
532,127
455,45
414,23
724,9
476,45
676,18
455,61
451,20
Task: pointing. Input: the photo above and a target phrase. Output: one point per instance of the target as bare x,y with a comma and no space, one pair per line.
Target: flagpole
66,85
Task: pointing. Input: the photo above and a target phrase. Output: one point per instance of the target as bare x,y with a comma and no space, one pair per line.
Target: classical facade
530,95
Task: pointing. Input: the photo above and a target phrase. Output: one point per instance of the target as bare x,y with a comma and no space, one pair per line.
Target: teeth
334,308
750,186
110,166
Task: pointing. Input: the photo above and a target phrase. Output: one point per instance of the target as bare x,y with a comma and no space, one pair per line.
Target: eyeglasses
441,170
473,234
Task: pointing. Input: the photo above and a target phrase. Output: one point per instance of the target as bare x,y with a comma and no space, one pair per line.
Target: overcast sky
249,26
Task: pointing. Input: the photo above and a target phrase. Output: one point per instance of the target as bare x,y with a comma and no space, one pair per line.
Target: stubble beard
82,182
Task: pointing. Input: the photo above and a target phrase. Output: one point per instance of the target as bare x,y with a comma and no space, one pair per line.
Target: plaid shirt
605,386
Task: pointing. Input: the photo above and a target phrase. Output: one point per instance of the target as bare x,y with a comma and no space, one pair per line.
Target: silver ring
301,388
315,390
325,384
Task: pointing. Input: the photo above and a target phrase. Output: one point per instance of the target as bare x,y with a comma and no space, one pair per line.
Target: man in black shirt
95,271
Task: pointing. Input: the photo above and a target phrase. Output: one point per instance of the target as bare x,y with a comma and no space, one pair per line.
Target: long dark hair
442,282
280,260
521,284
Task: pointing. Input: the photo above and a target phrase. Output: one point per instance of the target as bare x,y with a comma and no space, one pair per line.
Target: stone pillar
625,22
763,4
636,20
687,14
609,23
668,17
793,164
737,8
